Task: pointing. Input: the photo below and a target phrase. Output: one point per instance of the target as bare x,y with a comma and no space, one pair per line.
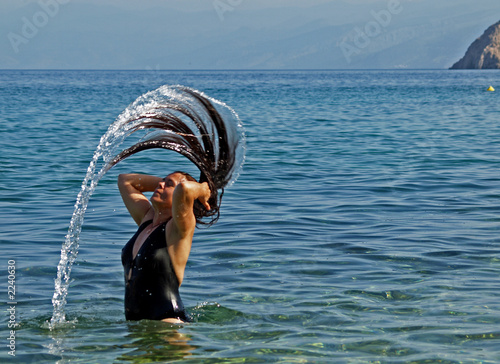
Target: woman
155,258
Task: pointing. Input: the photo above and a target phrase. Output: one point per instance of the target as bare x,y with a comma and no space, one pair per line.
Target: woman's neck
161,216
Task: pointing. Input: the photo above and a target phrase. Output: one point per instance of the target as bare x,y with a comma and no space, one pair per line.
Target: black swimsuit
152,291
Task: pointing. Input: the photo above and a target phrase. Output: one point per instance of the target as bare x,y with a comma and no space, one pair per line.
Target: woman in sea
155,258
206,132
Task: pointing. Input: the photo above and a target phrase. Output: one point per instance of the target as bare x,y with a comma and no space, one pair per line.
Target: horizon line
239,69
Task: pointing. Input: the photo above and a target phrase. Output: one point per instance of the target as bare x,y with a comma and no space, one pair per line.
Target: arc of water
108,144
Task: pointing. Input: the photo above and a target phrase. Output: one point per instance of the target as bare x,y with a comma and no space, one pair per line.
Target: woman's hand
205,194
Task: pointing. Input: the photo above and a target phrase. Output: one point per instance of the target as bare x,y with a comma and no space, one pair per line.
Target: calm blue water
364,227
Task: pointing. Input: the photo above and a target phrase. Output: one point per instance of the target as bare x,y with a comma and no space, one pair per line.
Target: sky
240,34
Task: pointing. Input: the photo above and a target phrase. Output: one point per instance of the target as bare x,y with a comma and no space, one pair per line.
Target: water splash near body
205,130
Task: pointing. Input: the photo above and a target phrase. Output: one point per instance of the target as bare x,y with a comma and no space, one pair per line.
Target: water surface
364,226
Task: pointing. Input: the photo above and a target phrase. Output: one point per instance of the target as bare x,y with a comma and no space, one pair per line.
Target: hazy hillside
420,34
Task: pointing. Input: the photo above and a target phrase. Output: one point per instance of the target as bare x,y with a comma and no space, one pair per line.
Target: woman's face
162,196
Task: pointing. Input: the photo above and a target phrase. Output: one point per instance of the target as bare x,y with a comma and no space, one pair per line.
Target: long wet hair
190,124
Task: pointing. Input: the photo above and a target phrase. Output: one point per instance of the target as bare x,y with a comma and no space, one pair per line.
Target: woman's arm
185,194
131,188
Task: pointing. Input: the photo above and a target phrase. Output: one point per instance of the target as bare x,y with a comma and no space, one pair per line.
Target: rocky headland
484,52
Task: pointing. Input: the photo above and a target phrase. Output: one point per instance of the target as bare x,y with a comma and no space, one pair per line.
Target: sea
364,226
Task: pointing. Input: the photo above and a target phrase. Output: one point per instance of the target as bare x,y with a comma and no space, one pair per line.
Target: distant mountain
484,52
259,34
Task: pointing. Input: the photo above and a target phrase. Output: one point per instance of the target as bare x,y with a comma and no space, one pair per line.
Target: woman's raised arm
185,194
131,188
